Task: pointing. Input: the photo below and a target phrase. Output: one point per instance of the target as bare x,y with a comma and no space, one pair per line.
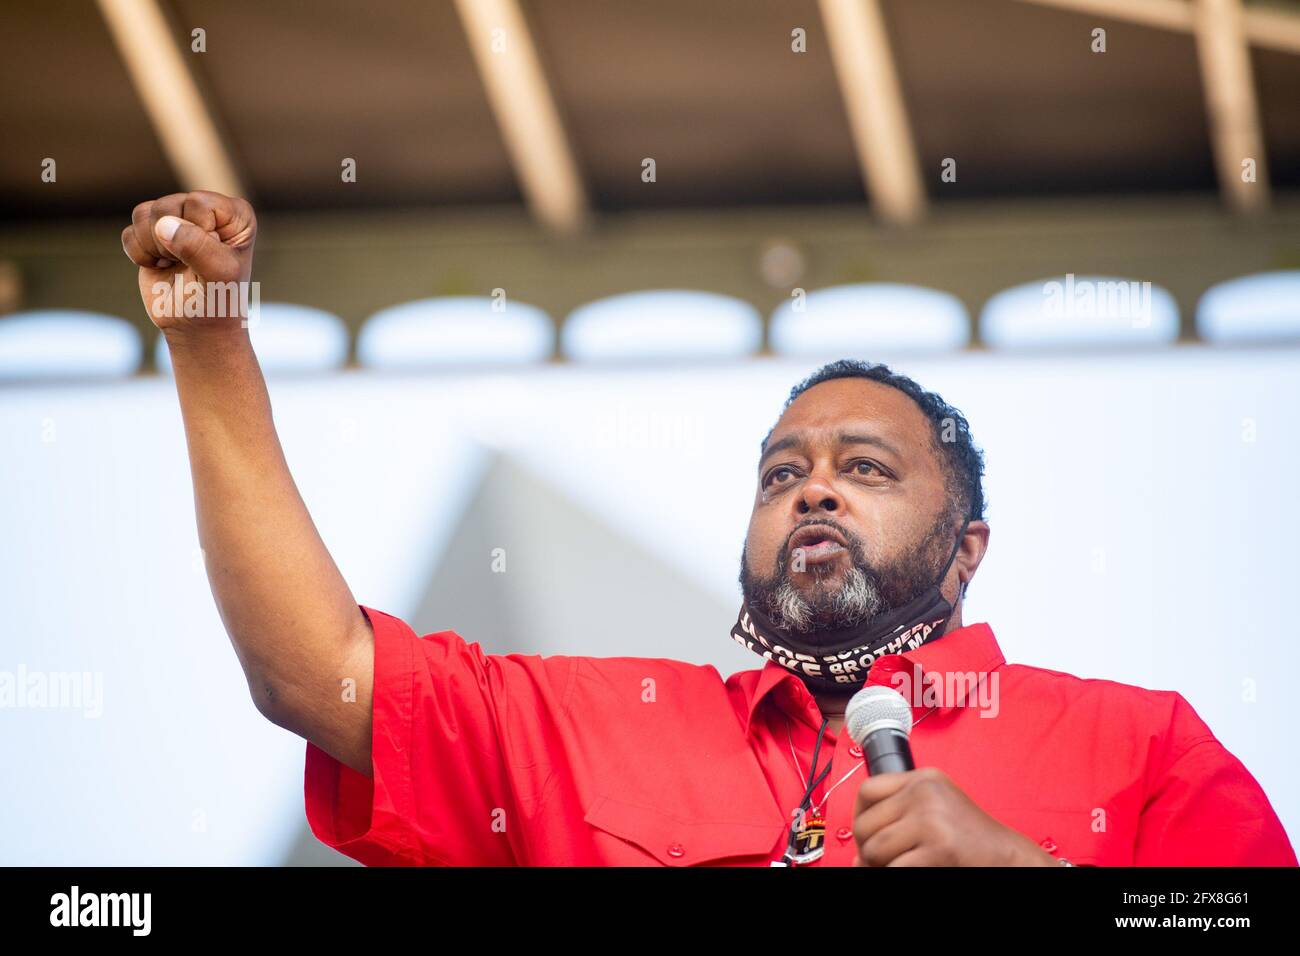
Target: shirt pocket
631,834
1093,836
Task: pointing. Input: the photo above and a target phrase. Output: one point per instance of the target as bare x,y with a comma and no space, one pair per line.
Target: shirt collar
947,660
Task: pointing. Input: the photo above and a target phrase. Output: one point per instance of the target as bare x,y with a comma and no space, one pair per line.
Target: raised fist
205,239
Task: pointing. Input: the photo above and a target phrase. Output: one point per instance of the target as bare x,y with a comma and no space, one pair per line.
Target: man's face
851,516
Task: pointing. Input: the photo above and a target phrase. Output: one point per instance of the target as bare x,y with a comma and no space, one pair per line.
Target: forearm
286,607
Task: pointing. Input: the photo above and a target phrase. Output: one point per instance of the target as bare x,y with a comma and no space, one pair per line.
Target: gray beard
857,600
863,593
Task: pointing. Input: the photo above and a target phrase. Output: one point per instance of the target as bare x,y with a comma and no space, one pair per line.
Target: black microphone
879,720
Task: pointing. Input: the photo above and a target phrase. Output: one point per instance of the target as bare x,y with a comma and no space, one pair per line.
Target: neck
832,704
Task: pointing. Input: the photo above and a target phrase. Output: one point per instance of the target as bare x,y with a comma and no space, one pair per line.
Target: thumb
202,251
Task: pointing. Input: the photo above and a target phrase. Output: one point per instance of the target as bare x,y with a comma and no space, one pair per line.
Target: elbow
280,704
269,699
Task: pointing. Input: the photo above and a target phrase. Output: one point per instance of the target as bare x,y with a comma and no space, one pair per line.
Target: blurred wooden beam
1168,14
184,121
864,66
1272,29
1267,28
1230,102
526,112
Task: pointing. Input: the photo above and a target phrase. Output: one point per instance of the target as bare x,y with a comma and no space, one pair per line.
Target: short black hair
962,462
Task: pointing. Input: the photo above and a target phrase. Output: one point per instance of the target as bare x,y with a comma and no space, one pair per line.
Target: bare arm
294,623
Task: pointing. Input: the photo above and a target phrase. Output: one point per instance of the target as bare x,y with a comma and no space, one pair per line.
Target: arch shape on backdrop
456,330
662,324
68,344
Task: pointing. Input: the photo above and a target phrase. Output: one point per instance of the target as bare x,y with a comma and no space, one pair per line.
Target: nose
818,493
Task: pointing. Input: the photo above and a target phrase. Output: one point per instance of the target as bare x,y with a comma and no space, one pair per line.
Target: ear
974,545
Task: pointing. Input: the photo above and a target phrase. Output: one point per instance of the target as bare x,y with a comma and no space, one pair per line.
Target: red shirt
486,759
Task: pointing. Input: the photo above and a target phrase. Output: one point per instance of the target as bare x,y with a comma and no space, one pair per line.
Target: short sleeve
461,745
1204,808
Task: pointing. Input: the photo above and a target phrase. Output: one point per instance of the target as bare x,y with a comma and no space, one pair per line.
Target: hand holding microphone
903,816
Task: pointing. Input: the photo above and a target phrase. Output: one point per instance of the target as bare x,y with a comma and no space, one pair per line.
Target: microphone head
874,708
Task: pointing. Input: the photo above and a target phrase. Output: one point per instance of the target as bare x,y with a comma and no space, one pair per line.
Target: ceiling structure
560,106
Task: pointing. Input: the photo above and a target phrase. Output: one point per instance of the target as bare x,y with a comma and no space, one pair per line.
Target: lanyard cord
799,767
805,803
813,783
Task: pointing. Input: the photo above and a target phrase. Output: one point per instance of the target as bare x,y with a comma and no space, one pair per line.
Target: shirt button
844,833
1048,844
855,751
676,849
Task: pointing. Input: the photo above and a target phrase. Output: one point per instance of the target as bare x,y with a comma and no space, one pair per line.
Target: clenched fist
205,240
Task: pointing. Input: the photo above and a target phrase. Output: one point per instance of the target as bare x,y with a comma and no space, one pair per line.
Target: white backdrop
1143,510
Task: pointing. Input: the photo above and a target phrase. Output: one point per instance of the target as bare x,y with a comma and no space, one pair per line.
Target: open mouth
816,544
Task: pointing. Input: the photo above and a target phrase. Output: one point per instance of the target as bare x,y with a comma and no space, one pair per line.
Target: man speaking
867,528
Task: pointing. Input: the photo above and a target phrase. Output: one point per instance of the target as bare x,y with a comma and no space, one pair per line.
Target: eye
775,472
870,466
